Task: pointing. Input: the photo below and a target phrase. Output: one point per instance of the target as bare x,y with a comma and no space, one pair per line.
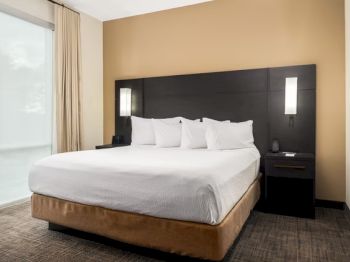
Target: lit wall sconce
291,95
125,102
291,99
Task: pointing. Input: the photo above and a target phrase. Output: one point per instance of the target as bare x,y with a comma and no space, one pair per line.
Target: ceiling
113,9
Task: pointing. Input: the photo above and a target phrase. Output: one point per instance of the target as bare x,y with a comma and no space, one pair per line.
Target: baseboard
330,204
347,207
16,202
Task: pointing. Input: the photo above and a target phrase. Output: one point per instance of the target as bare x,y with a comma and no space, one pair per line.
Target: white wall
347,95
92,66
92,81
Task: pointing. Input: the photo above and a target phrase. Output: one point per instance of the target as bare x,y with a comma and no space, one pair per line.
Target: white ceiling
113,9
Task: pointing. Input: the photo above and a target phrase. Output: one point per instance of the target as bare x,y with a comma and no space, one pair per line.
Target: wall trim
25,16
330,204
13,203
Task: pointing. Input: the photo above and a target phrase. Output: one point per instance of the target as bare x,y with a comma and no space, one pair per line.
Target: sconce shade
125,102
291,95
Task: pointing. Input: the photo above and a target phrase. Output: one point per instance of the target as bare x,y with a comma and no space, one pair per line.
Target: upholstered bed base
174,236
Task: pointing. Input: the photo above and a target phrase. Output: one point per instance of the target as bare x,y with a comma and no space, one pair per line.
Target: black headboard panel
237,96
301,136
256,94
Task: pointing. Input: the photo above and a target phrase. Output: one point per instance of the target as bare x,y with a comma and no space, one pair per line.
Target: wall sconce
291,97
291,94
125,102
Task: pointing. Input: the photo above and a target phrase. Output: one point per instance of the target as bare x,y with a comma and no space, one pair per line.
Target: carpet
265,237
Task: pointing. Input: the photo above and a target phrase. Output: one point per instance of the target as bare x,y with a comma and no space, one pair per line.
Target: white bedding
192,185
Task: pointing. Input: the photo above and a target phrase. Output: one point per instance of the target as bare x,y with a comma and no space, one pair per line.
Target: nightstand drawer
291,168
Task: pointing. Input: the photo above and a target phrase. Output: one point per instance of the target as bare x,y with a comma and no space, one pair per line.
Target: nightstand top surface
298,156
110,146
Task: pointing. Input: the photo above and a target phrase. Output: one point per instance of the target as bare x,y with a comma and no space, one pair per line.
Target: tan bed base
174,236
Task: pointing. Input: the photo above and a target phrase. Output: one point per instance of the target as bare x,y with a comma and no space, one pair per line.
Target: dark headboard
256,94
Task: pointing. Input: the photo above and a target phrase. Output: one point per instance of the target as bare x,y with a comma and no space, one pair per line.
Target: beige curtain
67,40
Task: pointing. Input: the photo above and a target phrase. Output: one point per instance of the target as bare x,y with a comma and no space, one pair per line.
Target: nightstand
290,184
110,146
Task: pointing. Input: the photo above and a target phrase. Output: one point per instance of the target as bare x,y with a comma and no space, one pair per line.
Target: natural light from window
25,102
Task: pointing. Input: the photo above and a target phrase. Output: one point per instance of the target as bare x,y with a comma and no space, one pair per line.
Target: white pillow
167,134
193,134
211,121
230,136
142,132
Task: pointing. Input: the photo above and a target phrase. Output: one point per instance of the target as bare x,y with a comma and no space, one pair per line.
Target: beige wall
241,34
347,48
92,81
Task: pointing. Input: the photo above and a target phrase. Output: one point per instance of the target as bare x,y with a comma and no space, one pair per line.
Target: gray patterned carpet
266,237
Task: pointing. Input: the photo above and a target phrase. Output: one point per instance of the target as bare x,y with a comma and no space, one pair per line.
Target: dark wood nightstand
290,184
110,146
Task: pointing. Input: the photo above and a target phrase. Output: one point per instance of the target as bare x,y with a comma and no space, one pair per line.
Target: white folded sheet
196,185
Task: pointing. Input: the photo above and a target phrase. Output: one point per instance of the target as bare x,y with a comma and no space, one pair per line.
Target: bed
190,202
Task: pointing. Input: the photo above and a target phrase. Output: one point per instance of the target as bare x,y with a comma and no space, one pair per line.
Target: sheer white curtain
25,102
68,71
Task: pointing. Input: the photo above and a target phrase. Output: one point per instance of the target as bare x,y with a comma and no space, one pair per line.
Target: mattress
190,185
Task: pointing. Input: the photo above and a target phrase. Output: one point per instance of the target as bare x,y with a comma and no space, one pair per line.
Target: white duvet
192,185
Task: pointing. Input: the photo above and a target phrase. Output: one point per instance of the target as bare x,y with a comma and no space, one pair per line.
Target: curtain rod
56,3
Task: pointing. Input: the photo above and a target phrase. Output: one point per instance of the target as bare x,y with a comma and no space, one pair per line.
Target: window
25,102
